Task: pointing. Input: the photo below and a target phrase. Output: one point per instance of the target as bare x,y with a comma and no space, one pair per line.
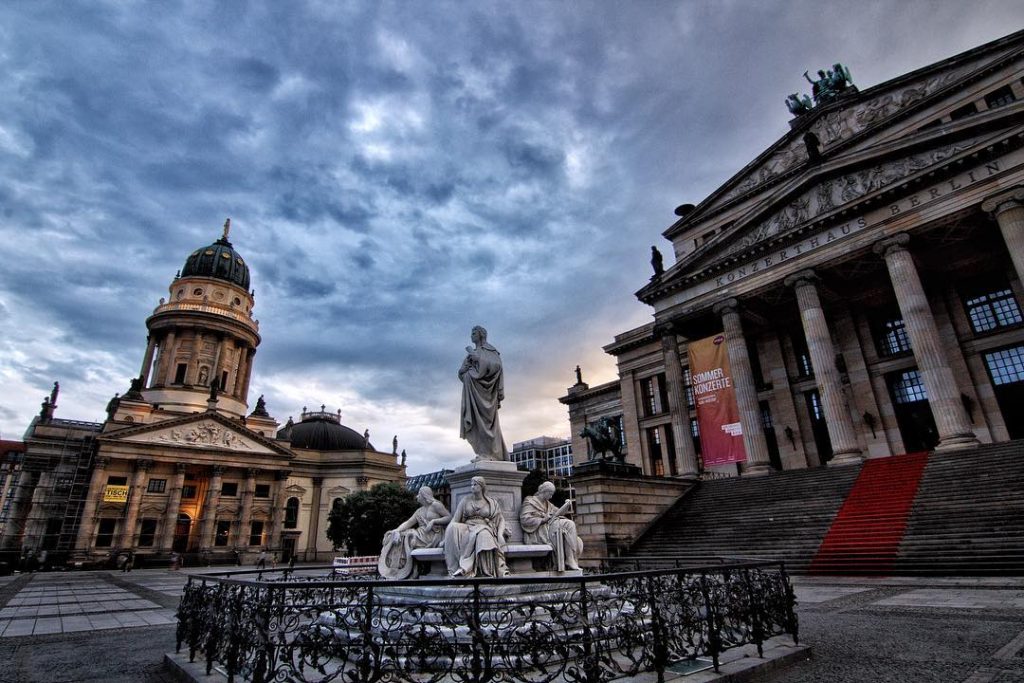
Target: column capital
731,305
101,462
801,278
886,246
251,472
318,481
218,470
180,467
1003,201
143,465
282,475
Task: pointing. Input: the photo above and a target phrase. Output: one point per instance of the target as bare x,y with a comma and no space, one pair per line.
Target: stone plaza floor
115,627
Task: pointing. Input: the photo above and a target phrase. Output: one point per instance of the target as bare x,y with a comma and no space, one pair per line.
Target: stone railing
591,628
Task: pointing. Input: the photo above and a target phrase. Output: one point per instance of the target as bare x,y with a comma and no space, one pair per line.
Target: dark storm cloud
396,173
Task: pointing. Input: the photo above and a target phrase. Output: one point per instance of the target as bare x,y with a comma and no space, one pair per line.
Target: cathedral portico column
207,529
823,354
147,360
173,508
166,358
1008,209
943,394
314,516
91,507
684,447
746,391
128,535
277,513
245,514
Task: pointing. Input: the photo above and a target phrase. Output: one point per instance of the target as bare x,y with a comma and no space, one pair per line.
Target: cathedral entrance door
181,532
913,414
287,548
1006,368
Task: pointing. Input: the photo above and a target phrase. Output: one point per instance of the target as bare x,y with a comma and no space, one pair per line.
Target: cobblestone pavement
941,630
906,630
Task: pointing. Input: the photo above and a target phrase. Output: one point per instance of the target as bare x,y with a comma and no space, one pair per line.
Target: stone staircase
963,515
779,516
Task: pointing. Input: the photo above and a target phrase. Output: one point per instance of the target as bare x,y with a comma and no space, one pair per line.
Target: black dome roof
323,432
218,260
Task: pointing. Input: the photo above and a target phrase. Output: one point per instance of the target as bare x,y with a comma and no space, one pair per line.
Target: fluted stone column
314,516
92,500
1008,209
173,508
823,358
147,360
943,394
245,514
277,513
128,536
208,527
166,358
745,388
195,360
685,450
247,376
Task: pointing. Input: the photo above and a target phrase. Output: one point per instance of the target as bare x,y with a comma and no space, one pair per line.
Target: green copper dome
219,260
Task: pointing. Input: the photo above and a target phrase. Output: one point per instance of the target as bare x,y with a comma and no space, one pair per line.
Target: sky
395,173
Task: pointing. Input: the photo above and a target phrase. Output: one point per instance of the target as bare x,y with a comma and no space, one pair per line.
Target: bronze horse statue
605,439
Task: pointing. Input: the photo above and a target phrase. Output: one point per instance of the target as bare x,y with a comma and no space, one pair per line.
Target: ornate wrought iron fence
589,629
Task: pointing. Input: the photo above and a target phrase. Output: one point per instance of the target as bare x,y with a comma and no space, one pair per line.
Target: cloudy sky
395,172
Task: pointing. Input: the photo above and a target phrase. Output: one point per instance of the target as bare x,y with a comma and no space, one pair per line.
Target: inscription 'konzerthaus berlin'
865,274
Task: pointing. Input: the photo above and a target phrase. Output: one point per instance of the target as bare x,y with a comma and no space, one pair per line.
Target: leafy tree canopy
358,522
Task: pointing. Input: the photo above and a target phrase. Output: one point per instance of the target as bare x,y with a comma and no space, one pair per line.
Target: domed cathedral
178,466
203,335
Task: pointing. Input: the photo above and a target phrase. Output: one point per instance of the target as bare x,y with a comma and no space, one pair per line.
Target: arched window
291,513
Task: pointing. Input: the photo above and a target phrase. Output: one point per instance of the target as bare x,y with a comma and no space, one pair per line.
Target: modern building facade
865,273
180,464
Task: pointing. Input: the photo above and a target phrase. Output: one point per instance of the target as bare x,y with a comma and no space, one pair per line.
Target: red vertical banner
721,435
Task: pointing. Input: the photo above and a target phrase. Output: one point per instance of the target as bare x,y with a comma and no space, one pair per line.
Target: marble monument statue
483,390
425,529
476,538
544,524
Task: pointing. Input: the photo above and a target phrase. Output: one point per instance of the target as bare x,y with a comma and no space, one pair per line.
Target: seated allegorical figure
425,529
544,524
476,538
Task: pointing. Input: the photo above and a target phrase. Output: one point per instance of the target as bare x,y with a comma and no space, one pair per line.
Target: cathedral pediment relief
870,111
338,491
202,431
295,490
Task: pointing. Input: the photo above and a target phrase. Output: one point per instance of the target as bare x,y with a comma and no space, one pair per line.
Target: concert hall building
865,275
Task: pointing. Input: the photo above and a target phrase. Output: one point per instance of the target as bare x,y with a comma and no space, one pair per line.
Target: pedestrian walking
261,560
291,563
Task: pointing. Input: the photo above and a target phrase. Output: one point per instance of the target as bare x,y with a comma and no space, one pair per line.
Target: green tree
358,522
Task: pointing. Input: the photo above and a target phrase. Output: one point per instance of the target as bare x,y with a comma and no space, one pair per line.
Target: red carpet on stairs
866,533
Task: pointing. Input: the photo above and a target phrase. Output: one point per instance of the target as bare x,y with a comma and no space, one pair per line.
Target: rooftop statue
830,84
799,104
483,390
657,263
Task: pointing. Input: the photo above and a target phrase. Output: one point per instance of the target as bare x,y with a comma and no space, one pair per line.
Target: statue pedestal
504,484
